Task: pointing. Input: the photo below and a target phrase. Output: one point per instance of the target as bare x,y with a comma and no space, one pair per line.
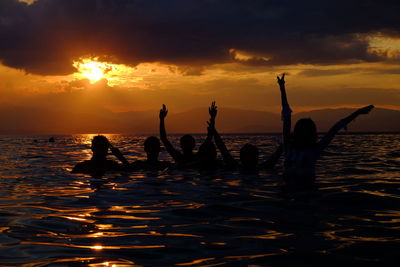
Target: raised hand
365,110
117,153
286,111
212,110
281,80
163,112
113,149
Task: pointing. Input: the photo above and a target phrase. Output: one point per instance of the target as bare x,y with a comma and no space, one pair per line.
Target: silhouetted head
207,152
152,147
304,134
187,143
249,157
100,146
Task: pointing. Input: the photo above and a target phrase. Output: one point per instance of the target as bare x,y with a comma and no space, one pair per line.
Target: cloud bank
45,36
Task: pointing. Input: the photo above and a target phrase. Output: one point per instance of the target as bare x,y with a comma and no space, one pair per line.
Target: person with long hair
302,148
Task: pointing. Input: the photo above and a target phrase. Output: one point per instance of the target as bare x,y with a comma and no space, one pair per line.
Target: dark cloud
44,37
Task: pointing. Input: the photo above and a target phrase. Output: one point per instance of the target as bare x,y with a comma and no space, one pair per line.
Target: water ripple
50,217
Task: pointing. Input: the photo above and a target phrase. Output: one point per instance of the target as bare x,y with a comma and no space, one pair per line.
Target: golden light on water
97,247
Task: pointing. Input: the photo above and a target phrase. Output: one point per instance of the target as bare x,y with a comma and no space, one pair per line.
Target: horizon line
178,133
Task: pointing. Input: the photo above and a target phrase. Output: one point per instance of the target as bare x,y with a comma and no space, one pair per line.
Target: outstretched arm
273,158
117,153
325,141
163,135
286,111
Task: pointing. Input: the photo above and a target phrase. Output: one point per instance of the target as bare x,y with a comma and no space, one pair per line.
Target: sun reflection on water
184,218
97,247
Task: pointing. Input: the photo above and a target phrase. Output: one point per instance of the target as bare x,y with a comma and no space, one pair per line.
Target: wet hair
207,152
100,144
304,134
151,144
249,156
187,143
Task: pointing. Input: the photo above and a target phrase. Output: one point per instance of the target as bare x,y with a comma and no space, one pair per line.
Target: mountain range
17,120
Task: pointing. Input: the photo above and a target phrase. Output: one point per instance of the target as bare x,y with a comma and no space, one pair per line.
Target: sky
69,56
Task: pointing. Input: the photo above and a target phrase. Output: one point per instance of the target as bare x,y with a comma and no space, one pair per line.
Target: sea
51,217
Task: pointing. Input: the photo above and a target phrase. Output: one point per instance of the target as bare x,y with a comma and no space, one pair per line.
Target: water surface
50,217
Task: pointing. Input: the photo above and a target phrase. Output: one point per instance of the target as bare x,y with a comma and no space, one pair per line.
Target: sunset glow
384,45
92,69
199,132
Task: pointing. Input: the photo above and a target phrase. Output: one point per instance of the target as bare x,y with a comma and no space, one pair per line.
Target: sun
95,69
92,69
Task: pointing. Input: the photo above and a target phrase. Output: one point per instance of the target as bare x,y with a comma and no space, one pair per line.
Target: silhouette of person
152,149
187,142
51,140
301,148
99,164
248,153
207,153
207,157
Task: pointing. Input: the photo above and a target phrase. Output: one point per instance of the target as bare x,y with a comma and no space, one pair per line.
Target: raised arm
117,153
325,141
212,131
163,135
273,158
212,110
229,161
286,111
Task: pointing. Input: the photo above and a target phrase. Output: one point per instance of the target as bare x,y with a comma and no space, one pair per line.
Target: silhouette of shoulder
90,166
145,165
